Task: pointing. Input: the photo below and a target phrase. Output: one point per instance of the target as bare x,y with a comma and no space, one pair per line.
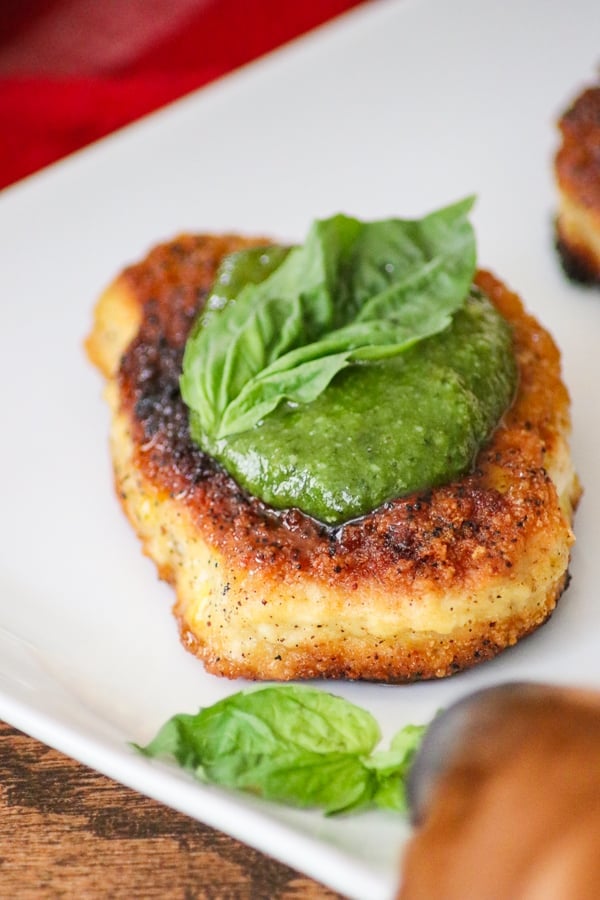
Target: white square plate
396,109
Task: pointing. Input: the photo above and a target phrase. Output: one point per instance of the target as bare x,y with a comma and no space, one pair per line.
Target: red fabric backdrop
72,71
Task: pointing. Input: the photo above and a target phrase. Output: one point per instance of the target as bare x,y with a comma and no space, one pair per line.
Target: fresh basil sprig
353,292
293,744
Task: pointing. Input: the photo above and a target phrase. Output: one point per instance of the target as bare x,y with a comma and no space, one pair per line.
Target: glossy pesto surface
383,429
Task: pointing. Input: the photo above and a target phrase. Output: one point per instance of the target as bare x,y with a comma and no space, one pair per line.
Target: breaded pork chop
577,170
424,586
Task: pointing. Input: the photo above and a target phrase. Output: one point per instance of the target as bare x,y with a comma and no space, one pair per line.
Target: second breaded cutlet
577,169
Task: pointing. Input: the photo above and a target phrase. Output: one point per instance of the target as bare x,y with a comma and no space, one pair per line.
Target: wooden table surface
66,831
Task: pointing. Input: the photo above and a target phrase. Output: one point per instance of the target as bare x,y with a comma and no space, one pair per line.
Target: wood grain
67,831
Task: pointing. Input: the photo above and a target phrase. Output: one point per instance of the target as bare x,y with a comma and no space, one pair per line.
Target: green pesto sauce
383,430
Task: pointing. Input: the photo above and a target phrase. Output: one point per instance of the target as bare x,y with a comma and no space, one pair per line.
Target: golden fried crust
577,168
424,586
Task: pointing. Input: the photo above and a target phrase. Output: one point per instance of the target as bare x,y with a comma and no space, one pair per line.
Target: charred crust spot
578,264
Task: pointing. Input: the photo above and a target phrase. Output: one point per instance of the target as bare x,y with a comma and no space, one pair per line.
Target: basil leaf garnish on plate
292,744
354,292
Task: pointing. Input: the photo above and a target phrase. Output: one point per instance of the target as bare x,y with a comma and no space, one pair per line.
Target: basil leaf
250,266
292,744
392,768
334,782
354,292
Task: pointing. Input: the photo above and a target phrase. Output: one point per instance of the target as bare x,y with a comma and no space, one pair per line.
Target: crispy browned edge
461,538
